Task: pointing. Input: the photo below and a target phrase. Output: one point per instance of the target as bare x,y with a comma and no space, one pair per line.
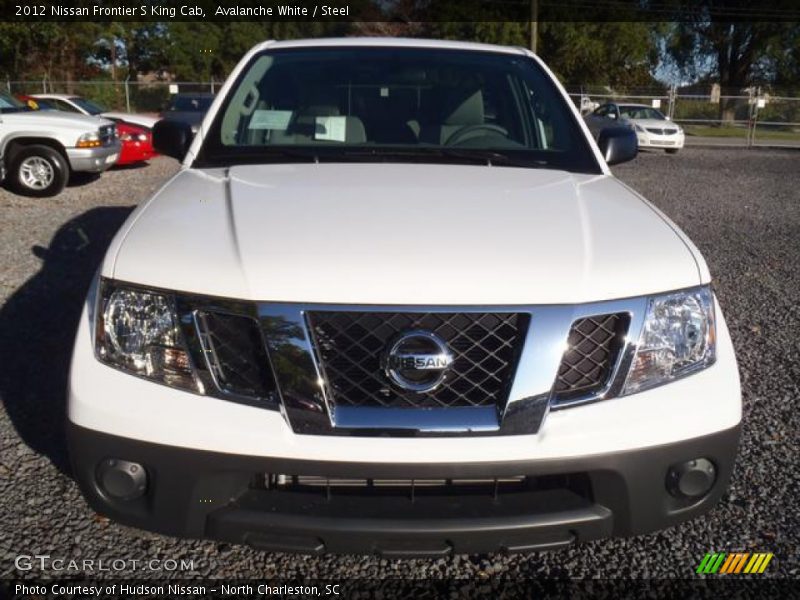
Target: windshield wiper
485,157
493,157
282,152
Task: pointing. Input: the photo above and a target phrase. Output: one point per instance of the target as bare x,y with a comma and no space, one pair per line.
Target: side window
602,111
63,105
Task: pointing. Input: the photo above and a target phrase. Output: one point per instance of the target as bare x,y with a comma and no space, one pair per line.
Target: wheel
38,171
671,150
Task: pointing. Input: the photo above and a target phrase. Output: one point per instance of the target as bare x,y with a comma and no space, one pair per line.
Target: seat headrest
354,131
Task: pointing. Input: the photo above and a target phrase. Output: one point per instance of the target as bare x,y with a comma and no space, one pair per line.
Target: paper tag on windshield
270,119
333,129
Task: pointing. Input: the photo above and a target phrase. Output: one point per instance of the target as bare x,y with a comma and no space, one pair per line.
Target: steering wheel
470,130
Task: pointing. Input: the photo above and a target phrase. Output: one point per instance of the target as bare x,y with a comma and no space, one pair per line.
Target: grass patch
740,131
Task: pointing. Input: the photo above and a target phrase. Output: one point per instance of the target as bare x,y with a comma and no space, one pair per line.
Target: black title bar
399,10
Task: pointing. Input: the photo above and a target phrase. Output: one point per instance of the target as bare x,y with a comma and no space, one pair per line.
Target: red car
137,144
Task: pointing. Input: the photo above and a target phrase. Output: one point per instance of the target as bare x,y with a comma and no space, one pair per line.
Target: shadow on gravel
81,179
130,167
38,325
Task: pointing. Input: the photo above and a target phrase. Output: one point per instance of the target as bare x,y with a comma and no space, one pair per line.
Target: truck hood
48,119
402,234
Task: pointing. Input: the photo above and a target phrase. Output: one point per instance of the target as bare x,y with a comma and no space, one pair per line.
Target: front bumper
652,140
201,494
94,160
596,470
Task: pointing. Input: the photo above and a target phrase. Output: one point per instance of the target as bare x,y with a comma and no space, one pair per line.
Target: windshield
87,105
408,104
9,104
190,103
641,112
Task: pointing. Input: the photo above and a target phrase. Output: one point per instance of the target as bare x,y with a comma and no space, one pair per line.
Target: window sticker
333,129
270,119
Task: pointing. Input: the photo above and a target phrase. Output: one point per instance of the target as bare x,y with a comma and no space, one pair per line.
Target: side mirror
618,144
667,117
172,138
39,252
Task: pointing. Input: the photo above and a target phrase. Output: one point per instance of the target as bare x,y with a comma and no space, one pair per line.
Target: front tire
672,150
38,171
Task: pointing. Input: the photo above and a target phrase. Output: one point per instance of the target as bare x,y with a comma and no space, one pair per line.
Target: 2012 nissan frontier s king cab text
395,302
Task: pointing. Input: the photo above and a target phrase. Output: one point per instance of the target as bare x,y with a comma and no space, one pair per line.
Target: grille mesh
594,345
485,346
659,131
235,354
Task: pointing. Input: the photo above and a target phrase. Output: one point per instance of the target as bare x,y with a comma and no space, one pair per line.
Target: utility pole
534,24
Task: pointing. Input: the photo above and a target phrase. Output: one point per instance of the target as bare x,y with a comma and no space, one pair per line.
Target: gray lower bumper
94,160
201,494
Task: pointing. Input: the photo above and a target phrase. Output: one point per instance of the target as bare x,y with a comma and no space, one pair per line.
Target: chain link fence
127,96
750,117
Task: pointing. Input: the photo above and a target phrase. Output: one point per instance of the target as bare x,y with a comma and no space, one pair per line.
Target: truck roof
390,42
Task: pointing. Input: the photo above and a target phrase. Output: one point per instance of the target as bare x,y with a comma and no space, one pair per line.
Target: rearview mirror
618,144
172,138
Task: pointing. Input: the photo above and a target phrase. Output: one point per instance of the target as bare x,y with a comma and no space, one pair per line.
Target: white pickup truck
39,150
395,302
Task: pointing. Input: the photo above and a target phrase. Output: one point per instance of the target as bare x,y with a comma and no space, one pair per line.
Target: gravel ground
742,208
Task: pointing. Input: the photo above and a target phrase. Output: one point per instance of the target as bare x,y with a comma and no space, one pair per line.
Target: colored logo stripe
737,562
711,563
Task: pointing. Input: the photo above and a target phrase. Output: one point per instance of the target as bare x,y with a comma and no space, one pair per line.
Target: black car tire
38,171
672,150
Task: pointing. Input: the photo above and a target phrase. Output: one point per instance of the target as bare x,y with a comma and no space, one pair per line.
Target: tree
609,53
714,39
615,53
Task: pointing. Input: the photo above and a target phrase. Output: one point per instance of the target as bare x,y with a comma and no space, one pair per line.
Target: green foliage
736,53
613,53
619,54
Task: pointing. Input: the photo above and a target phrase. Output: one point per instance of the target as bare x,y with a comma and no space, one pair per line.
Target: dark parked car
189,108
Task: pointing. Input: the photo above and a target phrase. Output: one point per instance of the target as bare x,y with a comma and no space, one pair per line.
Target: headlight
89,140
678,337
138,332
142,137
639,128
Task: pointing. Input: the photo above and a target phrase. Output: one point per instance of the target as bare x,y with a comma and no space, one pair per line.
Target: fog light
692,478
122,479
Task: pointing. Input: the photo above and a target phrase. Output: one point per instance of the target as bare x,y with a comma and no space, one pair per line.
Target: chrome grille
235,353
659,131
594,344
485,346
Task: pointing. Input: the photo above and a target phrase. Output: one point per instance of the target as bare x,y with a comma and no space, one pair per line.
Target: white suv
40,150
395,302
